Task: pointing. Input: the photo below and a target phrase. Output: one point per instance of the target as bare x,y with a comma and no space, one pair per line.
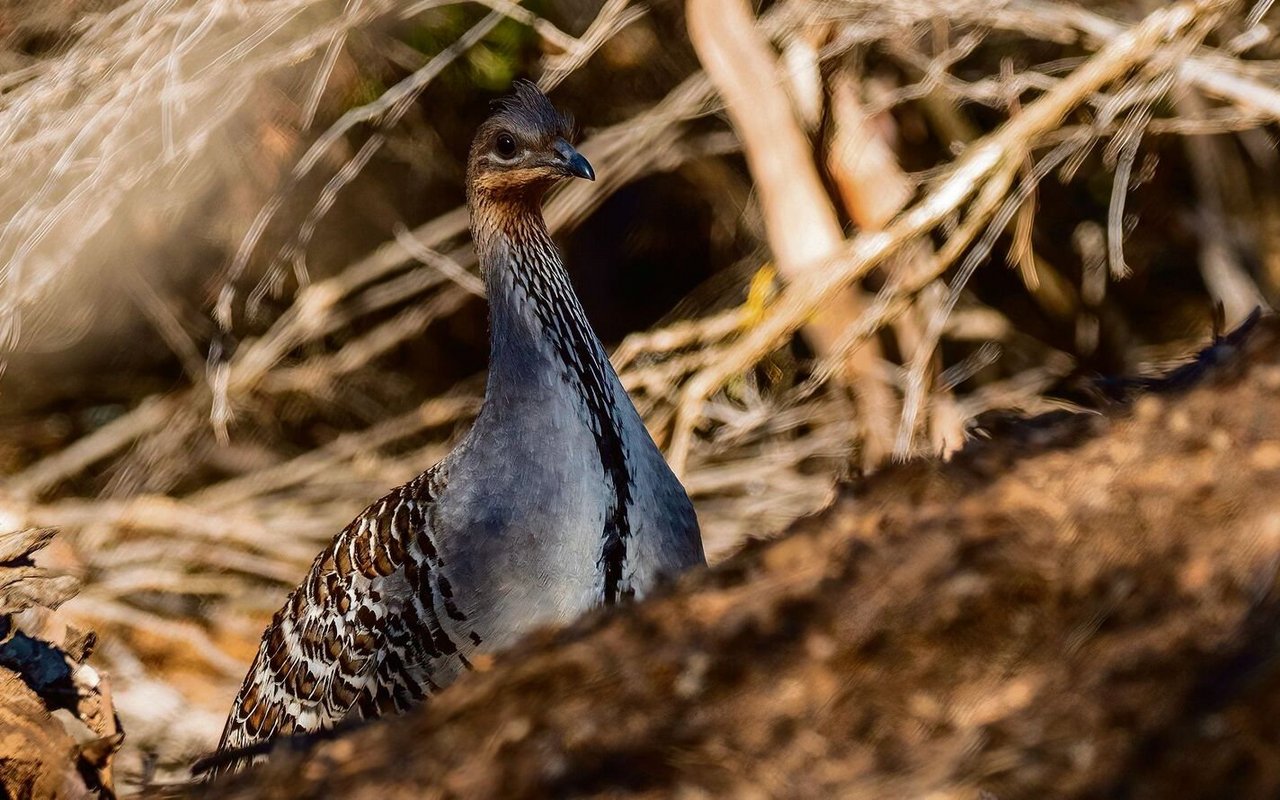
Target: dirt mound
1082,605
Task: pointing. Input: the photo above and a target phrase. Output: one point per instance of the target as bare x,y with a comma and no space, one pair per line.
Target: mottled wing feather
362,635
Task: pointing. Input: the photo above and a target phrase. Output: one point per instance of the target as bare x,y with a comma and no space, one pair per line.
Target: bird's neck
546,364
540,339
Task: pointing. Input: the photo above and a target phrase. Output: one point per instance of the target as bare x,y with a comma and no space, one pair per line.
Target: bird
555,502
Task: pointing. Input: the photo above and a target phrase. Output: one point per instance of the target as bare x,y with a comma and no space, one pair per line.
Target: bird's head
523,148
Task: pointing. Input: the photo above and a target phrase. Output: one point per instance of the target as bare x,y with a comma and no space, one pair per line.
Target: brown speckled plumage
556,501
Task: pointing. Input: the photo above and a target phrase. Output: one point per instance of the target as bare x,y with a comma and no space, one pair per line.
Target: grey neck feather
537,327
540,339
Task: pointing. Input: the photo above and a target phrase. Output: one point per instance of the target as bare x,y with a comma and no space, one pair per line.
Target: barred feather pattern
372,630
557,501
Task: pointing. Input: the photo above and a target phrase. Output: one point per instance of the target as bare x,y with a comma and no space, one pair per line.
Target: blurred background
238,300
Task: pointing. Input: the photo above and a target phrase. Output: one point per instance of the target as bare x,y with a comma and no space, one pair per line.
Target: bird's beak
572,162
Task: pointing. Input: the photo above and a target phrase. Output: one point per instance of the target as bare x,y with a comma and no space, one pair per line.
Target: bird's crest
527,108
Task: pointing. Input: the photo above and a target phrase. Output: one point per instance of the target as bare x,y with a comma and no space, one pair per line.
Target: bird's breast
522,521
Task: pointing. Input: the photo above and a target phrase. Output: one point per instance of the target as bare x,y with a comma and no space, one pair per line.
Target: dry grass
192,510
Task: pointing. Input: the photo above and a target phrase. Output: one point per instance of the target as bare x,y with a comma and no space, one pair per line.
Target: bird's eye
505,145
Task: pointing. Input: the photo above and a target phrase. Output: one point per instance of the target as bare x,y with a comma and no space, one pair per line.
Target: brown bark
1083,605
42,670
37,757
874,189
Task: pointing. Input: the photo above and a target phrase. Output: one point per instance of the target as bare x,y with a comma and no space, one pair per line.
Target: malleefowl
556,502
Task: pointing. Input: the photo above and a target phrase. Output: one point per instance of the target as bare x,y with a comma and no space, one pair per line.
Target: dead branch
985,168
801,224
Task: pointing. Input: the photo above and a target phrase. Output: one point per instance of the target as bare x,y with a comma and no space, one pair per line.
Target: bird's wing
362,635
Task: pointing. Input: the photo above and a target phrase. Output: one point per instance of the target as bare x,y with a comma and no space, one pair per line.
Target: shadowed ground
1080,606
